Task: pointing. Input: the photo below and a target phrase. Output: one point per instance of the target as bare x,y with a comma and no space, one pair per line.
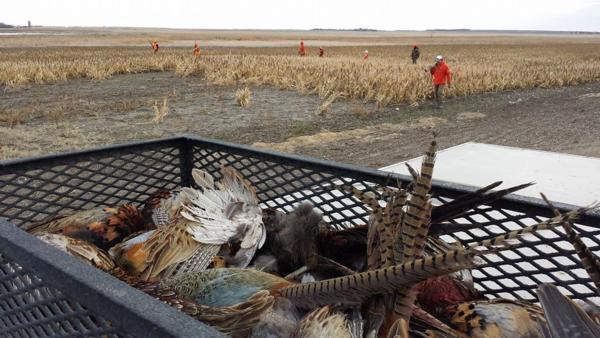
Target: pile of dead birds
213,253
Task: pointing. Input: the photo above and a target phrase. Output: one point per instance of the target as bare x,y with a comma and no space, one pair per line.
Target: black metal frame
31,189
130,312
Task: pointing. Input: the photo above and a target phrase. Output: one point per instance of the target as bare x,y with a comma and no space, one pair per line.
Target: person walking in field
196,49
154,45
365,54
415,54
442,77
321,52
302,49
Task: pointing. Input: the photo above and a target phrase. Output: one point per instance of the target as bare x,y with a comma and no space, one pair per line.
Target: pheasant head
437,293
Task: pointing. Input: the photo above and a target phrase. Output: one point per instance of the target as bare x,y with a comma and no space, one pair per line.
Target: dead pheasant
198,222
103,227
444,299
224,287
237,320
497,318
436,294
503,318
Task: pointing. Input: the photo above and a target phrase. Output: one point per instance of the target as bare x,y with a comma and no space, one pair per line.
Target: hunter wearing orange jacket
196,49
441,77
302,49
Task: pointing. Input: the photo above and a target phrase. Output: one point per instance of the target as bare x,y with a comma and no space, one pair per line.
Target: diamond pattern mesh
37,191
546,257
33,190
30,309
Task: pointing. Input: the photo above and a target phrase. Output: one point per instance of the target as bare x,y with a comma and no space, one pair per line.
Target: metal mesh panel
30,309
81,182
31,190
545,257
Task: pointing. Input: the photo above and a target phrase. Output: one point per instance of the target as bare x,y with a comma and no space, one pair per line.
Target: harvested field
531,91
388,77
83,113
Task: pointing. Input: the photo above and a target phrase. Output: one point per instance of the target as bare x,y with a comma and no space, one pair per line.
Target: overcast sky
307,14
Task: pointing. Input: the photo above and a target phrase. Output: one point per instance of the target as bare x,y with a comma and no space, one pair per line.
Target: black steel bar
186,161
45,159
132,311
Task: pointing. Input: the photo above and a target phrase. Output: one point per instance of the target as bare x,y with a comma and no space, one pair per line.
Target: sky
578,15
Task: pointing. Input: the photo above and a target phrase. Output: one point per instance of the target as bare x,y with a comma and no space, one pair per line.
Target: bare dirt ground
41,119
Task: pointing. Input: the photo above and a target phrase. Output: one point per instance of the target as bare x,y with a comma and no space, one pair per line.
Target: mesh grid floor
33,190
30,309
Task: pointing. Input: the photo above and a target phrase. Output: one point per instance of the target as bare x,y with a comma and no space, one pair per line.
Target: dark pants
438,93
414,61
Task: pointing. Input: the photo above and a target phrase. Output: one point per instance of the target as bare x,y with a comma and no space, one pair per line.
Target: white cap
439,58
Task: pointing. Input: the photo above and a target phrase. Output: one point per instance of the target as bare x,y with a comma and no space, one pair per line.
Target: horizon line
358,29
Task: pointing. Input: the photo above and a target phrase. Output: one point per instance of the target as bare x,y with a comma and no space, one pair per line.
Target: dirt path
83,113
560,119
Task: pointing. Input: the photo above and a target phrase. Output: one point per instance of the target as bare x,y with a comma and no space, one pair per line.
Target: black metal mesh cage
29,308
36,188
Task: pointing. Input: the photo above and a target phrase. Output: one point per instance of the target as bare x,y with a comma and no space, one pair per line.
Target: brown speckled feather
415,228
322,322
103,227
83,250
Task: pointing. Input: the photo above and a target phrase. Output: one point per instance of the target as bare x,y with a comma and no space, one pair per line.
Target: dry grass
160,111
386,78
325,106
243,97
11,117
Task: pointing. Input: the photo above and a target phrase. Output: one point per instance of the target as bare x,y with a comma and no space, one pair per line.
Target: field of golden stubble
387,77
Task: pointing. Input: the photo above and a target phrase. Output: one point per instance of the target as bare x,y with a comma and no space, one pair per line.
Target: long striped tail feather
590,262
547,224
415,228
354,288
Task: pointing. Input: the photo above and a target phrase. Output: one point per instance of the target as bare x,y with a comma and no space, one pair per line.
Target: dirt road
82,113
